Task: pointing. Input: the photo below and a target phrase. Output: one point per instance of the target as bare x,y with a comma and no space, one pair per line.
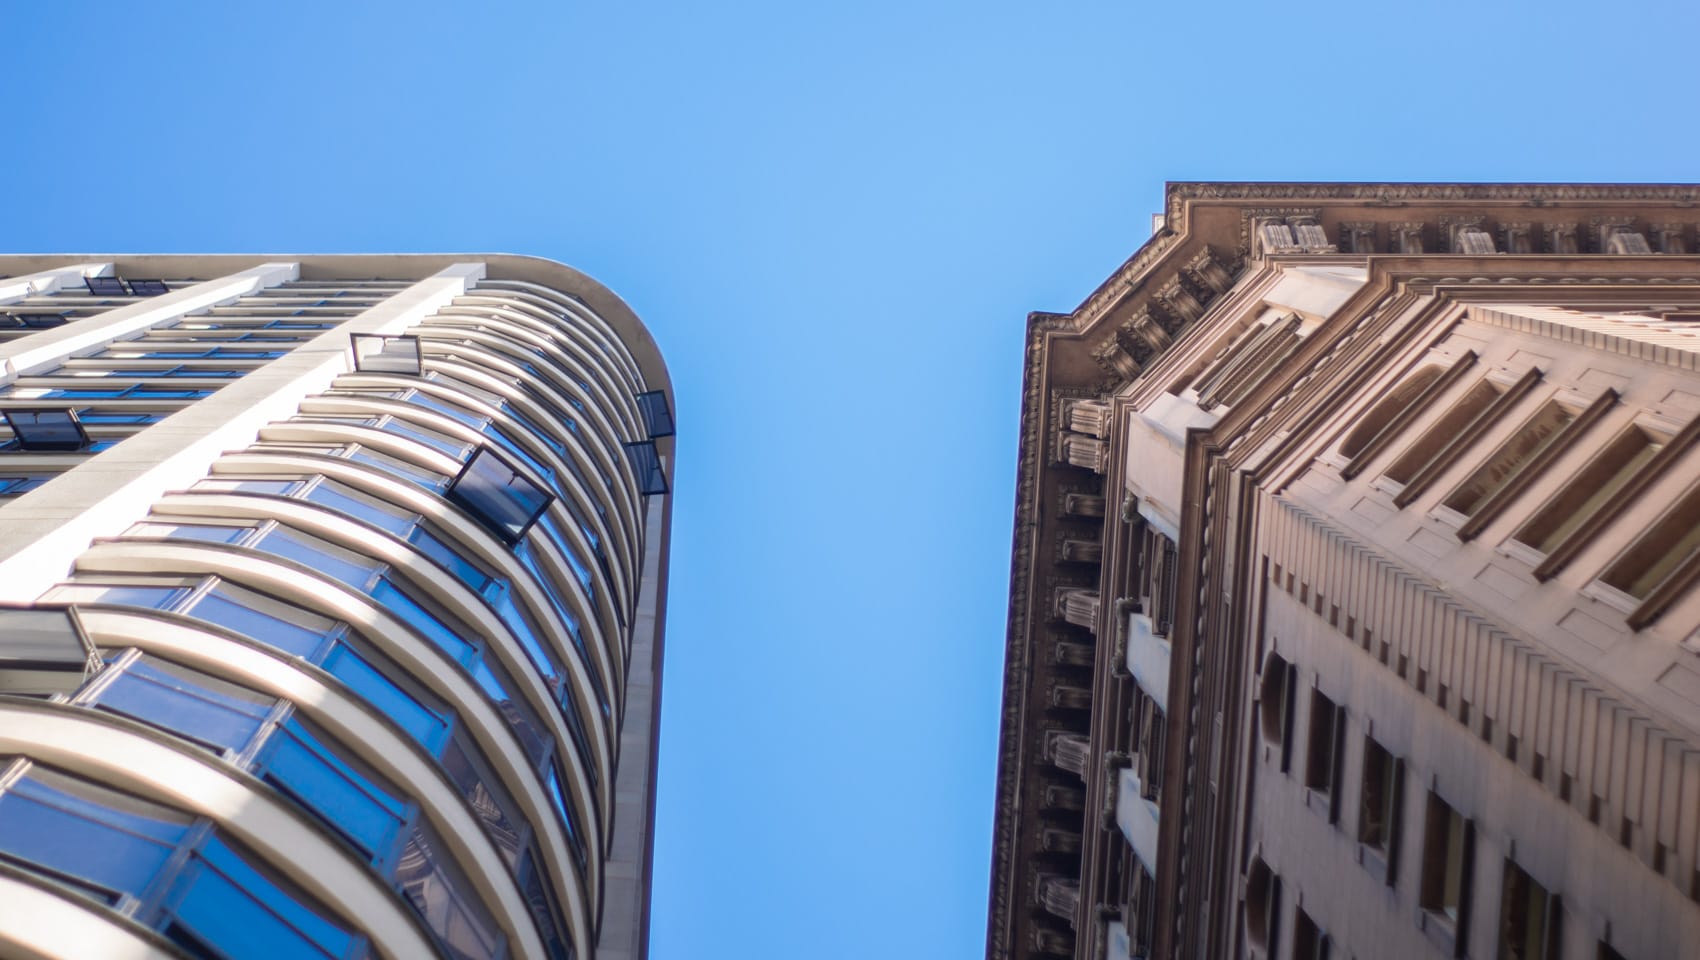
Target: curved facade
337,587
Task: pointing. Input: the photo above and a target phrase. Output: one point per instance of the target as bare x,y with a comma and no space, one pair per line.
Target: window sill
1373,862
1439,930
1611,596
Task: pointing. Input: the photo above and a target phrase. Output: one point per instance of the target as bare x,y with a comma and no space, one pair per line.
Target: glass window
450,559
1529,918
1448,842
351,802
497,495
544,911
318,556
426,436
420,722
276,487
186,702
351,503
443,897
104,842
224,901
202,532
404,606
265,619
564,809
485,796
1525,445
12,486
154,597
450,410
399,469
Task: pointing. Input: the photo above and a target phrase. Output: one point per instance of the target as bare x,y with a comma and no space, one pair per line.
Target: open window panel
498,495
646,463
148,288
44,650
374,353
57,429
657,415
105,286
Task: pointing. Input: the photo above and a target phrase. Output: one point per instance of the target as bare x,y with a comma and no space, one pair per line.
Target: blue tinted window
351,803
450,559
419,722
447,409
223,901
544,911
200,532
337,497
435,441
186,702
317,556
409,610
156,598
217,607
559,539
485,797
564,810
110,841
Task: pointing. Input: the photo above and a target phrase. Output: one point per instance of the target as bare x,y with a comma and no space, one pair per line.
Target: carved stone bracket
1518,237
1563,238
1671,238
1209,272
1358,236
1407,236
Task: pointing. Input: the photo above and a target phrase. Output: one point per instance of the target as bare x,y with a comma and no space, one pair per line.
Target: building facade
1353,604
333,591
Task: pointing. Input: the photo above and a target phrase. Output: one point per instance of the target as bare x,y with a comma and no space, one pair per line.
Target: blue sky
835,218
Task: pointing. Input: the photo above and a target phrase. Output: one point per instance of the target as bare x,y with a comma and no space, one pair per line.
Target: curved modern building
334,589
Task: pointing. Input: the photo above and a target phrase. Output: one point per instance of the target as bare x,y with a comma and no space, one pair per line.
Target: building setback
333,591
1353,603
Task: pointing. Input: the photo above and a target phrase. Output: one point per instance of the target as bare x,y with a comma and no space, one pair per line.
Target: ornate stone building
1354,598
331,602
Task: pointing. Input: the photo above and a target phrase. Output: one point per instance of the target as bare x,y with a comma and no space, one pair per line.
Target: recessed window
1535,436
1450,425
1277,704
380,354
265,619
1529,918
1390,407
1309,942
1379,812
199,532
1448,851
1593,487
1262,906
359,506
425,725
1674,537
444,898
1324,753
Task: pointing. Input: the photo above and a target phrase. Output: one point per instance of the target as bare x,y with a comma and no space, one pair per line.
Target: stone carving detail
1081,551
1519,237
1078,450
1083,504
1563,238
1115,359
1468,237
1078,606
1091,417
1671,238
1067,697
1060,896
1358,237
1067,751
1052,943
1059,840
1308,233
1622,240
1067,653
1274,236
1209,272
1407,237
1058,796
1180,302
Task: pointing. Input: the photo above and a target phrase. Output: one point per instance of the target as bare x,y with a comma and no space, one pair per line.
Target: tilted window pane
201,532
541,902
350,802
337,497
186,702
399,603
451,559
485,796
225,902
156,598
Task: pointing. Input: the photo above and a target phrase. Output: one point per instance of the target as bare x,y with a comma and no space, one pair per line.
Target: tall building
1353,603
333,596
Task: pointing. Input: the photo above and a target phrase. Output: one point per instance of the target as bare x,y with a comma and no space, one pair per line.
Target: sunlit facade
335,592
1355,603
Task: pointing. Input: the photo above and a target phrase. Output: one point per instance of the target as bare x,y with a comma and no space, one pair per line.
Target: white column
42,531
50,281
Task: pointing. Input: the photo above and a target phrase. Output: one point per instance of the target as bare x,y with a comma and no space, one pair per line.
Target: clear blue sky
835,218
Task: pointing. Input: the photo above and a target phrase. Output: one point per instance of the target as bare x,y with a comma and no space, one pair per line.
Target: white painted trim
40,352
39,923
46,282
42,531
